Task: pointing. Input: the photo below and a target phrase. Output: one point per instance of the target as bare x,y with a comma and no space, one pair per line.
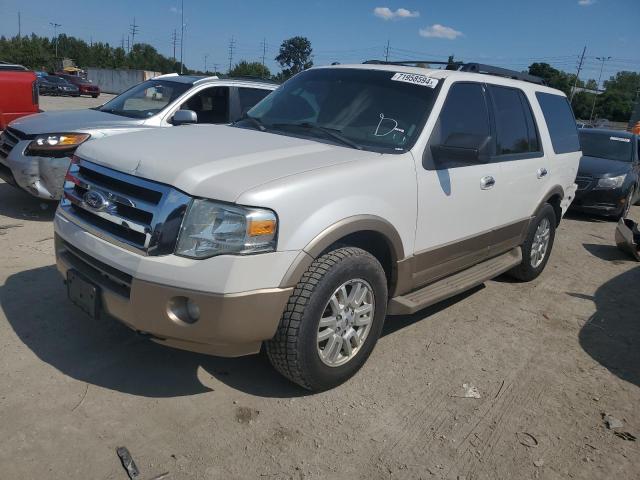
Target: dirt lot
548,359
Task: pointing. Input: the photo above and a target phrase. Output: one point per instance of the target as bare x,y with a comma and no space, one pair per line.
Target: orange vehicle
18,93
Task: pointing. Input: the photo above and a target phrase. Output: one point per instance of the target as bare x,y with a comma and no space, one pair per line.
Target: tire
528,269
627,204
297,351
95,96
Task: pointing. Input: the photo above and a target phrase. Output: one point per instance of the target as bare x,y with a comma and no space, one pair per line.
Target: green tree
247,69
295,56
553,77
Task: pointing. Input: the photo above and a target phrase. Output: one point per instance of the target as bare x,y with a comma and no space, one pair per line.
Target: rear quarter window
560,122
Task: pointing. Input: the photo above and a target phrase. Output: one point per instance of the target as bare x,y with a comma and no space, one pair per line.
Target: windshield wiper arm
256,122
334,133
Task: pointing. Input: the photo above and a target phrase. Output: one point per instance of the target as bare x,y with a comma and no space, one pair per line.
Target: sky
507,33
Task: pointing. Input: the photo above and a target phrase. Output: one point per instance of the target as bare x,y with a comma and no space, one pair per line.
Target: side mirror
464,148
184,117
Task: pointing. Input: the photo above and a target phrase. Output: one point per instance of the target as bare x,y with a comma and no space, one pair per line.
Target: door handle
542,172
487,182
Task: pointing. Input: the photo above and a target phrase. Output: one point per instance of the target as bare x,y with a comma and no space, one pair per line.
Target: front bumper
42,177
240,298
601,202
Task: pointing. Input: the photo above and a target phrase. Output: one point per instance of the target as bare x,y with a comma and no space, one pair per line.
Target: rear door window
249,97
515,128
560,122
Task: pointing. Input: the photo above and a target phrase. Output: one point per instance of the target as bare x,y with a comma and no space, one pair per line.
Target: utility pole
55,34
215,68
593,107
19,25
122,43
205,63
181,36
575,84
264,54
174,41
128,43
386,52
232,44
134,31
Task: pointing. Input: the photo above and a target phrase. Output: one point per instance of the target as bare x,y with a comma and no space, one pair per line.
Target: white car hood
214,161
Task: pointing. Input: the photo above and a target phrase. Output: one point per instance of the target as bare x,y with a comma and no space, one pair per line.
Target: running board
454,284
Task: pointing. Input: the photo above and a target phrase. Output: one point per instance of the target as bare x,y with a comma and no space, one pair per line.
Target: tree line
295,54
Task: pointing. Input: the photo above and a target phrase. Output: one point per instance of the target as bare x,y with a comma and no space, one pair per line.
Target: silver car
35,151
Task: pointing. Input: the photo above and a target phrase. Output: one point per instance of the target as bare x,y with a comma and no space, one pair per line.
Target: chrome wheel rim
540,243
345,322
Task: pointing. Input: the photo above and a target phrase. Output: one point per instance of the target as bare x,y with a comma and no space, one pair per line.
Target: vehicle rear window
249,97
607,145
560,122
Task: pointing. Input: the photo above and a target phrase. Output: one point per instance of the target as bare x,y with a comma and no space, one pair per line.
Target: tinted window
560,122
514,123
249,97
374,109
463,118
607,145
211,105
534,139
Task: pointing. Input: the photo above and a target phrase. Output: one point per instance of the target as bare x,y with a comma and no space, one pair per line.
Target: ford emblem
95,200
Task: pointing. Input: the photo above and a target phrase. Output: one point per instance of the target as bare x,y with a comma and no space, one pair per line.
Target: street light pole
593,106
55,34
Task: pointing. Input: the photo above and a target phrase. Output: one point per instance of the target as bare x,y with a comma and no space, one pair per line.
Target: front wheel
332,320
537,245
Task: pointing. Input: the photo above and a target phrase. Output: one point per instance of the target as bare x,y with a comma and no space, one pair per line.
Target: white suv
350,193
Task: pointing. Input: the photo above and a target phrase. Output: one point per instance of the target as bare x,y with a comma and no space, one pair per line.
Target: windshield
606,145
146,99
375,110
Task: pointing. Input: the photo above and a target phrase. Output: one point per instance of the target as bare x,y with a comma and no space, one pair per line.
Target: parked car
61,86
35,152
18,94
350,193
46,87
609,174
85,87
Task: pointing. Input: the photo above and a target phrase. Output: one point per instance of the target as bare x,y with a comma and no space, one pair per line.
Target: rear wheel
537,245
332,320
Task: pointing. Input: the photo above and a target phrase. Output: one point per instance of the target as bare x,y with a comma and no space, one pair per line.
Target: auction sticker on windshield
416,79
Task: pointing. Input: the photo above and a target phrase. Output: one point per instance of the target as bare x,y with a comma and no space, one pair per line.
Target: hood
602,167
214,161
70,121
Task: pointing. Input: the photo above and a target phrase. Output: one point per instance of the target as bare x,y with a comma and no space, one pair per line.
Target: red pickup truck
18,93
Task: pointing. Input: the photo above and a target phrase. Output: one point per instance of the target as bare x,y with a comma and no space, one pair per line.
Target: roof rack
468,67
254,78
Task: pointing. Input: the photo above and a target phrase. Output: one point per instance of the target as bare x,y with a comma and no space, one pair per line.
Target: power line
593,106
181,36
174,41
55,34
134,31
575,84
232,44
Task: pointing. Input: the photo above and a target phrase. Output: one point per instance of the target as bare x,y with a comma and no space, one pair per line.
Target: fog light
183,310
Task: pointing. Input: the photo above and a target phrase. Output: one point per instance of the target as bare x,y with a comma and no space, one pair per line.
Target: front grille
583,183
134,213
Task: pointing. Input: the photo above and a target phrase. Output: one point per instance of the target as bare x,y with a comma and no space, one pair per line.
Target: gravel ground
548,359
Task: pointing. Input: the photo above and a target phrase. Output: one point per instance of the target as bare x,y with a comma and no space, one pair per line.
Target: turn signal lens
257,227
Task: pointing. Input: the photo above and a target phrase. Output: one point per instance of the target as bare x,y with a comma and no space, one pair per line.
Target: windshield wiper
253,120
334,133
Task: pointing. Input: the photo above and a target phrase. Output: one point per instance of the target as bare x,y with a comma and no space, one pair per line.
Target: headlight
56,144
611,182
211,228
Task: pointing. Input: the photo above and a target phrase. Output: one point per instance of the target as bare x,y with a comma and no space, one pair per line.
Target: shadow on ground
612,335
609,253
586,217
105,353
19,205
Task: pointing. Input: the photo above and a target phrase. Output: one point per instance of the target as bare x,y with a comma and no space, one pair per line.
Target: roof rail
468,67
500,72
255,78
